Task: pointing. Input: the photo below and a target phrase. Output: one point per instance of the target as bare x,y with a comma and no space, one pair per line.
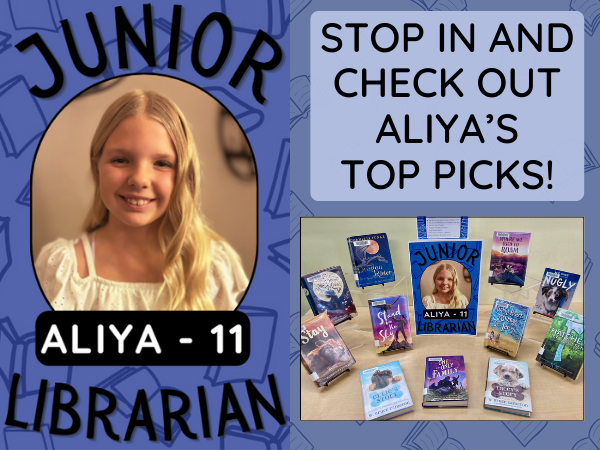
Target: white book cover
385,392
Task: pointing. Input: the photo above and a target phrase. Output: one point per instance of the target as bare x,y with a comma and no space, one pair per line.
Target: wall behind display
556,242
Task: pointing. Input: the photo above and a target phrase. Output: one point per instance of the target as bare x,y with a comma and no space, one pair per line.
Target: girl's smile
136,172
444,281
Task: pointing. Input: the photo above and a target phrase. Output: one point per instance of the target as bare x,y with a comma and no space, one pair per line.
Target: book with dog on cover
557,290
510,251
506,327
371,259
391,325
507,388
562,349
323,351
385,393
326,291
445,382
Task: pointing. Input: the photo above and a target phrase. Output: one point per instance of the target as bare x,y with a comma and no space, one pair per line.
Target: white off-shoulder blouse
56,268
430,303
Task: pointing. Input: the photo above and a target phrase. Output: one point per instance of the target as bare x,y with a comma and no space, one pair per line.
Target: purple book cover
391,325
508,263
445,379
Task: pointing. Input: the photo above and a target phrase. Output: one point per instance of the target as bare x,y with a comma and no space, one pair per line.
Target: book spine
311,301
354,269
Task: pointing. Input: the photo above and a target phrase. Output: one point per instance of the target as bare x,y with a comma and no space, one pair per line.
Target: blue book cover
385,393
326,291
371,259
445,278
506,327
557,290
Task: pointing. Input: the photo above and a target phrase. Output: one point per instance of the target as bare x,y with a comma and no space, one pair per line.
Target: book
445,283
507,387
562,349
299,99
591,13
445,382
371,259
508,263
430,435
391,325
326,291
442,5
506,327
557,290
385,393
323,351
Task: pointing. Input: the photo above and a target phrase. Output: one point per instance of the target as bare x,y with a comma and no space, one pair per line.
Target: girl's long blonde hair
454,293
184,236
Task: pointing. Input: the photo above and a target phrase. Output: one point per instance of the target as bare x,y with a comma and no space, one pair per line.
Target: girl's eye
119,160
163,164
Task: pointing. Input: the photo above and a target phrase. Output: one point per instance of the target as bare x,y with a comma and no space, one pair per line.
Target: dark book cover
371,259
326,291
510,251
557,290
445,381
562,349
391,323
323,351
445,278
506,327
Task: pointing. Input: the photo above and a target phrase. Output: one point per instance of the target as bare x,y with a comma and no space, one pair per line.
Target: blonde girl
146,245
446,294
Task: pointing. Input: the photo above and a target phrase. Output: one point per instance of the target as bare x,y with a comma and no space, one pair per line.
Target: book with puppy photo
557,290
507,389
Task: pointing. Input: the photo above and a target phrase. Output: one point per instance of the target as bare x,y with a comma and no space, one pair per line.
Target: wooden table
554,397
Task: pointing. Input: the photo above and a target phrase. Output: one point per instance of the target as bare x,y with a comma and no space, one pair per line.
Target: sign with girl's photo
445,279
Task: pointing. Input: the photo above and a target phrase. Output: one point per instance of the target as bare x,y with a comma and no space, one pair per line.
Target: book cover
445,382
385,393
507,387
508,263
391,325
323,351
562,349
557,290
371,259
326,291
445,279
506,327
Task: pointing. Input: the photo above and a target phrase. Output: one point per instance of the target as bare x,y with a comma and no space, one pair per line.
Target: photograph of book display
441,304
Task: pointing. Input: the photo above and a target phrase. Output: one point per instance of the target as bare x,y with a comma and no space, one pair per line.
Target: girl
146,245
446,294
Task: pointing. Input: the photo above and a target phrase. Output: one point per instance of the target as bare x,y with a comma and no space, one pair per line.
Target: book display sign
445,279
442,227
